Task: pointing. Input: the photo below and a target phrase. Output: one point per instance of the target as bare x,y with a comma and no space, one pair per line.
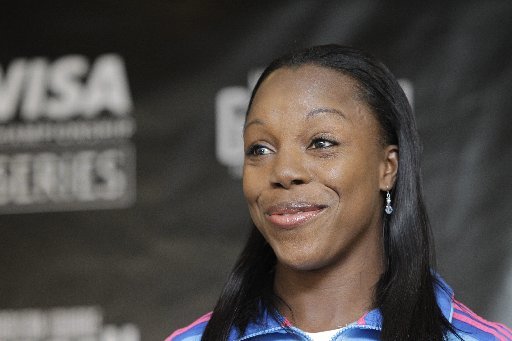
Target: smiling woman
340,248
313,175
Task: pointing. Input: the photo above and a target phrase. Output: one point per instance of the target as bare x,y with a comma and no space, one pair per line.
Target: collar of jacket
371,320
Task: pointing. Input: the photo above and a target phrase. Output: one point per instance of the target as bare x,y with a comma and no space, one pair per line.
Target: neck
330,297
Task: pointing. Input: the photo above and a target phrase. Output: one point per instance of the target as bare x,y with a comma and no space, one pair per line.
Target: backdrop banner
121,207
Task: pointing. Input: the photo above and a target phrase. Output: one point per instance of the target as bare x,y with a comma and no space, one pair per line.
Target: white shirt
322,336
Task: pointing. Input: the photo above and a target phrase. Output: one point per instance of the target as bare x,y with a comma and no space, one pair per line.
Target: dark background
162,262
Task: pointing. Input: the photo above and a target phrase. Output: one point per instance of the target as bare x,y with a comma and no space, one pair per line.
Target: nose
289,169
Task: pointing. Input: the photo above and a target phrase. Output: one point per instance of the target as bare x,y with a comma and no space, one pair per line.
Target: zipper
353,326
296,331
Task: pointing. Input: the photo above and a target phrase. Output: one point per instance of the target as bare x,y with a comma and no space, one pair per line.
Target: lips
291,214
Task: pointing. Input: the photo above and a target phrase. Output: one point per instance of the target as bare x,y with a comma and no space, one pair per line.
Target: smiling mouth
290,215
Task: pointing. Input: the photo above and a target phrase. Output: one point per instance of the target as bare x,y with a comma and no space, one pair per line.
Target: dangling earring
388,209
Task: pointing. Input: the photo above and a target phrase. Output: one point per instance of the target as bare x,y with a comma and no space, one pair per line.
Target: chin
302,262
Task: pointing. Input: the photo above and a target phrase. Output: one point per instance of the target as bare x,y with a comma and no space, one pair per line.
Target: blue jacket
469,326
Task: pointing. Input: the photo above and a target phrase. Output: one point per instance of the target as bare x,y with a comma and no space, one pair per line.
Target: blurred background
121,209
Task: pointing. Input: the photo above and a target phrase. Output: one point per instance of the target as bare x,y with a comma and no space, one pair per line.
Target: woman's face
314,168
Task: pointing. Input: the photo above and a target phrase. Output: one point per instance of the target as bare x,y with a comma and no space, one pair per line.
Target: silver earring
388,209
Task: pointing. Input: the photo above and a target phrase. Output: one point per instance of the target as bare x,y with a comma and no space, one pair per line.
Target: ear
389,168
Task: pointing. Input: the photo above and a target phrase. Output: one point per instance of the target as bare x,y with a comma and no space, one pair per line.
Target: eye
320,143
258,149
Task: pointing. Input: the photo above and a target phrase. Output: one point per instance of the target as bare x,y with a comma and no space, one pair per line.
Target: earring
388,209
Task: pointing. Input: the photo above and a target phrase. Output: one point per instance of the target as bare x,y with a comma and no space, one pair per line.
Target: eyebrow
309,114
317,111
256,121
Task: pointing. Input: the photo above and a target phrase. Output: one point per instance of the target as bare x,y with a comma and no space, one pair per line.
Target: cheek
351,176
250,184
247,190
333,174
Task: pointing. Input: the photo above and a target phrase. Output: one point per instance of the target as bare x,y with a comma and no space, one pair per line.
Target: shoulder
192,332
470,326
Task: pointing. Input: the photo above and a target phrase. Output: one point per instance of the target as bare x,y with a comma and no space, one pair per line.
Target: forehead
309,87
309,75
307,83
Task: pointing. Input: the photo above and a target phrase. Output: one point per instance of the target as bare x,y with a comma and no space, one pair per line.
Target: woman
340,249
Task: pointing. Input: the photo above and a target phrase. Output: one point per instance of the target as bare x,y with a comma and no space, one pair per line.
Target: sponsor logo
230,108
65,129
62,324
